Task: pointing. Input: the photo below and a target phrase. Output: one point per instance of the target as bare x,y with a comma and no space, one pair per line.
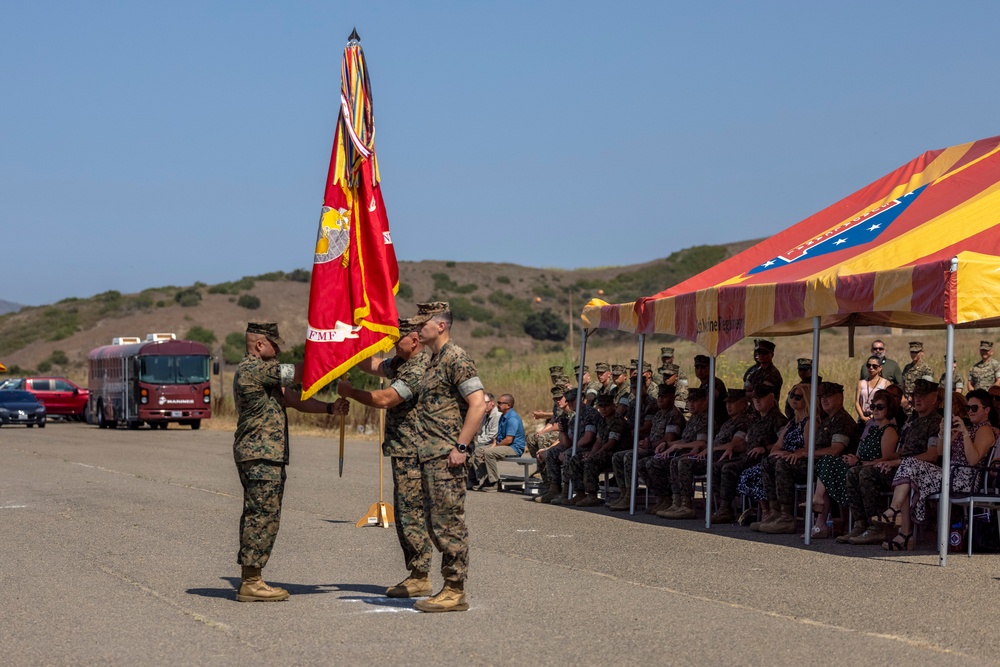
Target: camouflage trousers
444,508
780,477
729,477
655,471
621,463
263,486
411,522
589,471
537,441
682,473
553,466
865,485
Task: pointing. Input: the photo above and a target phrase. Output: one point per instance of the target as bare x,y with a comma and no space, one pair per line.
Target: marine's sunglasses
795,396
878,406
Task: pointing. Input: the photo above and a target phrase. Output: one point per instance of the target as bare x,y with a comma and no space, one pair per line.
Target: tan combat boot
784,524
451,598
253,588
872,535
724,515
662,503
685,511
418,584
589,500
622,503
549,495
771,516
563,497
856,531
675,504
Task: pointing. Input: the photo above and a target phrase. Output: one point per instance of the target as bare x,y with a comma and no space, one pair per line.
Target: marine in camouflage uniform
766,422
620,380
865,484
836,435
764,371
671,373
683,469
260,450
667,424
585,468
957,383
986,372
655,470
917,369
646,412
548,435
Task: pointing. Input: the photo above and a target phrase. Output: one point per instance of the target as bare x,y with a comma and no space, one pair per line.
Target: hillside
9,307
491,303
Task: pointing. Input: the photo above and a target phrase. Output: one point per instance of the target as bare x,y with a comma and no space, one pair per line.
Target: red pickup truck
59,395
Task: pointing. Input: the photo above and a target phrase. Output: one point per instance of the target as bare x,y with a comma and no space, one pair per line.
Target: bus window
182,369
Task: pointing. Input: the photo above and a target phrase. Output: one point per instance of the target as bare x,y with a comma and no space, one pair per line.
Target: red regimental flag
352,309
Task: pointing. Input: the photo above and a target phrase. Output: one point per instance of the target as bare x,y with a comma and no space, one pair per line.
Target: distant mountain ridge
9,307
494,305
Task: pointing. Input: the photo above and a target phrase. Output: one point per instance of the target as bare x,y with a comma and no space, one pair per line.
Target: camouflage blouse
441,406
840,428
696,429
984,374
401,420
667,421
261,422
614,428
763,431
738,424
918,433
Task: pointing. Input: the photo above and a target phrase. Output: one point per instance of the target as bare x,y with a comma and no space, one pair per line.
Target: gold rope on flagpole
380,513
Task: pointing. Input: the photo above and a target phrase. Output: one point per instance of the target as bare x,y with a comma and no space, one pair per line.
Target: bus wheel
101,421
195,424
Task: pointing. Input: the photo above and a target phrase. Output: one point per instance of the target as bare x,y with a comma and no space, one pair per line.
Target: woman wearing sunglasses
970,444
877,445
867,389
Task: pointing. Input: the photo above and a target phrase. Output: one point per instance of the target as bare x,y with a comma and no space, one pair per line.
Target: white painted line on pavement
12,507
558,536
526,530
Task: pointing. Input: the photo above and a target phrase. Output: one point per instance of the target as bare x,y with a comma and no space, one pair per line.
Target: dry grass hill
492,304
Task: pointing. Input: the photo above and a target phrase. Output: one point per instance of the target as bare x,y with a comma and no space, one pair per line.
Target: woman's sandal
886,519
893,545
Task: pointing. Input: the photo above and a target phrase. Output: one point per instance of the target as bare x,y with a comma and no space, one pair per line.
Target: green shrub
546,325
272,277
463,309
544,291
483,332
498,353
443,282
44,366
504,280
201,335
248,301
161,304
405,291
188,298
58,358
234,287
299,276
450,265
296,355
234,348
110,295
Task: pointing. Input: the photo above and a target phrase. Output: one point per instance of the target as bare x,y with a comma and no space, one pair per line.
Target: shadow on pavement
294,589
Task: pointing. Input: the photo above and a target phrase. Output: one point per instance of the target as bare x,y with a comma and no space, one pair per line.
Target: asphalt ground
119,548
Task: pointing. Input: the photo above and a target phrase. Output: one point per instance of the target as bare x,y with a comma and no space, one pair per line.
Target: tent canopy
881,256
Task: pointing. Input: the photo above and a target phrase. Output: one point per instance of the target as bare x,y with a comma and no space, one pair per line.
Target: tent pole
811,449
944,504
711,441
579,399
636,424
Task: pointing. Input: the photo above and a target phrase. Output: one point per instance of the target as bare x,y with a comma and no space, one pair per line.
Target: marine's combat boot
589,500
662,503
724,514
685,511
622,503
253,588
549,495
675,504
784,524
856,531
577,497
416,585
451,598
772,515
563,496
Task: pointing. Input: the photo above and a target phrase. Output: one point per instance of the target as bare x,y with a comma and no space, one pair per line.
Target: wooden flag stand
380,513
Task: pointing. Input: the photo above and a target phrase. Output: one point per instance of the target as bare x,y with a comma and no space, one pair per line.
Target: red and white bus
156,381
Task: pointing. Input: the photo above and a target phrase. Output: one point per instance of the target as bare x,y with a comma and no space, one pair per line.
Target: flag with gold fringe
352,307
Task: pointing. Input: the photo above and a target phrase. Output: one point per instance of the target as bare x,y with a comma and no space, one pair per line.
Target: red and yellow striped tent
881,256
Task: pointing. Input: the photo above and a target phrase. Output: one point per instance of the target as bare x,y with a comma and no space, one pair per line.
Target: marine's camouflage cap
557,391
617,369
425,311
985,345
268,329
602,367
556,370
560,380
666,352
697,394
605,399
647,367
733,395
633,364
829,388
665,389
763,389
763,344
701,360
924,387
406,327
669,370
916,346
576,369
805,363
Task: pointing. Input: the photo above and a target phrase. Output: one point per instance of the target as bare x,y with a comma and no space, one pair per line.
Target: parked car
59,395
21,407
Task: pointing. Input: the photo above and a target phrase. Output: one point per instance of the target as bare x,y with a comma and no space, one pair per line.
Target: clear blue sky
147,144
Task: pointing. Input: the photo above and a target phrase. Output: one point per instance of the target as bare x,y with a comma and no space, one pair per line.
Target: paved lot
119,548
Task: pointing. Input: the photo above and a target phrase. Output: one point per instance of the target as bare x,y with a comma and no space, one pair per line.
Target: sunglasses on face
878,406
874,366
877,349
795,396
973,408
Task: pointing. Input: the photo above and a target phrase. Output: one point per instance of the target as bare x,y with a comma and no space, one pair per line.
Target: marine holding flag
352,312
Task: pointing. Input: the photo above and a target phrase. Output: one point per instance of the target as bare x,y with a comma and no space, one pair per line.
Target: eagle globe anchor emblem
334,234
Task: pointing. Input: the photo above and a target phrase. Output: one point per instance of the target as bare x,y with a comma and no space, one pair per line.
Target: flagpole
380,513
343,421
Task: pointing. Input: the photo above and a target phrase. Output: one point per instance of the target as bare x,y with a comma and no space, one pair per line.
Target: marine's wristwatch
462,448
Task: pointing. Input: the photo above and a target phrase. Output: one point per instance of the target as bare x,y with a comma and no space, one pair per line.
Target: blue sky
147,144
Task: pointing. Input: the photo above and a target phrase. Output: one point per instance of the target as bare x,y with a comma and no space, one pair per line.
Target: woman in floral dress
916,478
